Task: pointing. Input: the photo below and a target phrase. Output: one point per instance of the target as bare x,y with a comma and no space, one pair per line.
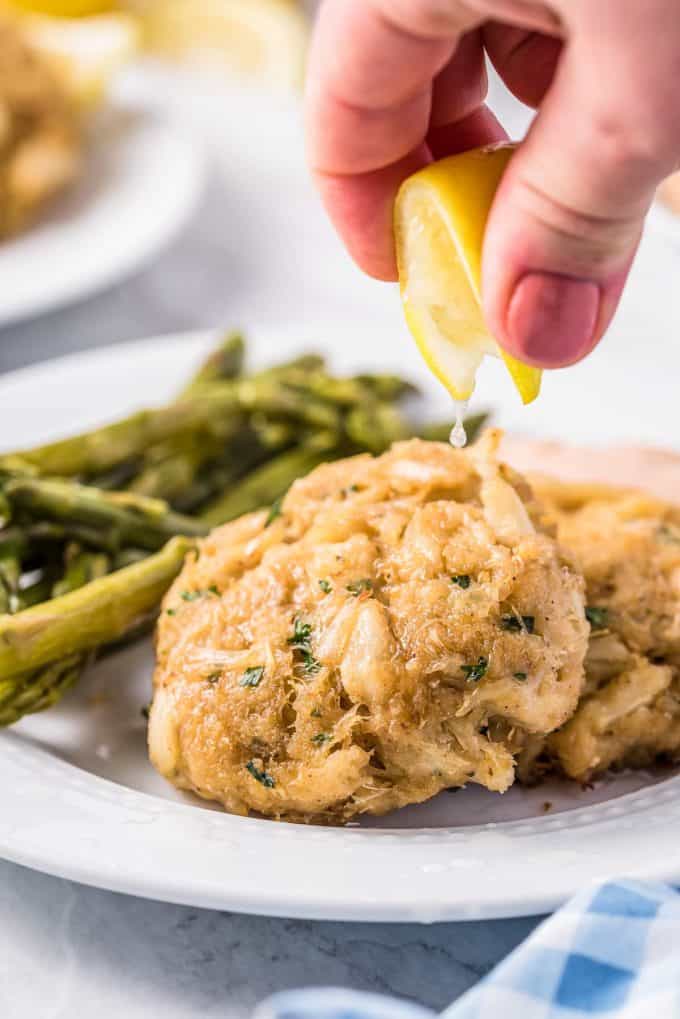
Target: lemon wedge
63,8
261,39
440,217
86,51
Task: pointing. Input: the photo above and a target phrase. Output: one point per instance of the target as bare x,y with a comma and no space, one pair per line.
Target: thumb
569,212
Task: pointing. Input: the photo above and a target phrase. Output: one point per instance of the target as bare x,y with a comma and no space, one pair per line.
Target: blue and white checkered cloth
612,952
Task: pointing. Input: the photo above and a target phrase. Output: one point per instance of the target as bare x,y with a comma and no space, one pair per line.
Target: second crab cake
628,547
400,628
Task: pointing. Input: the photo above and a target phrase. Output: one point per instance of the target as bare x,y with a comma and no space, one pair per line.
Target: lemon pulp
440,218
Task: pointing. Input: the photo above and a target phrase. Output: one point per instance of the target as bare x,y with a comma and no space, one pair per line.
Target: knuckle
642,145
589,241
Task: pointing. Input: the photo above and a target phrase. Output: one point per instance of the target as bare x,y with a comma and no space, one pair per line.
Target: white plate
79,799
139,183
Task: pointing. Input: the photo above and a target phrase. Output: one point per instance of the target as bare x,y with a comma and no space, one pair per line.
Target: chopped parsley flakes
597,617
301,642
252,676
301,634
310,664
200,593
461,580
321,738
358,587
517,624
473,673
263,777
521,677
275,512
325,586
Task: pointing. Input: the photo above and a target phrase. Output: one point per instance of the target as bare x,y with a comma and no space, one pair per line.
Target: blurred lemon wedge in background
440,218
266,39
64,8
87,50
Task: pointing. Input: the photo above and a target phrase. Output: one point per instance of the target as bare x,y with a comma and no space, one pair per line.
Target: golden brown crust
627,544
406,682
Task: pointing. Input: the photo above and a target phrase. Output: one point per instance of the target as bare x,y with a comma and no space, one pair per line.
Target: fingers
360,206
368,105
526,61
479,128
569,212
460,87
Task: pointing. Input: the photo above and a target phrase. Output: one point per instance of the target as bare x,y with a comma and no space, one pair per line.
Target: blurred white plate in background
140,182
79,798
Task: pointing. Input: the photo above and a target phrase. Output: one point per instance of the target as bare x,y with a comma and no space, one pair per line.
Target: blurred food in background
40,136
264,40
52,74
86,52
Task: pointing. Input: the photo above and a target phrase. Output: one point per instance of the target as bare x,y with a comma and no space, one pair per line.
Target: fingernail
551,319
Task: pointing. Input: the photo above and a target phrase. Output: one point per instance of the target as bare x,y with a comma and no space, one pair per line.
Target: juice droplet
458,437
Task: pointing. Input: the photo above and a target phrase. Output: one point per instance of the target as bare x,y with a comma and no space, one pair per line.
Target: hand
395,83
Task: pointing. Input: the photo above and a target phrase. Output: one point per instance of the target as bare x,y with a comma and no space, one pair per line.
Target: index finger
368,104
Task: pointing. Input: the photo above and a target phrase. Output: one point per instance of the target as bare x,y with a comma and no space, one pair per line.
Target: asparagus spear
44,687
375,426
81,568
99,613
170,469
10,573
265,485
225,362
36,691
116,518
387,387
348,391
216,409
274,397
101,450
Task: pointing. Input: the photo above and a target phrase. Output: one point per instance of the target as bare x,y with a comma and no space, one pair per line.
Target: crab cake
400,628
628,547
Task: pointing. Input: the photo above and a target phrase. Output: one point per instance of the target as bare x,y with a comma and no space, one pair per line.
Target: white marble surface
69,950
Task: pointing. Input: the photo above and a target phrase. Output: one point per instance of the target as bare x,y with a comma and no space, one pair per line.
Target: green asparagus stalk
216,408
99,613
116,518
265,485
43,688
101,450
375,426
348,391
81,568
387,387
35,691
225,362
10,574
275,398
